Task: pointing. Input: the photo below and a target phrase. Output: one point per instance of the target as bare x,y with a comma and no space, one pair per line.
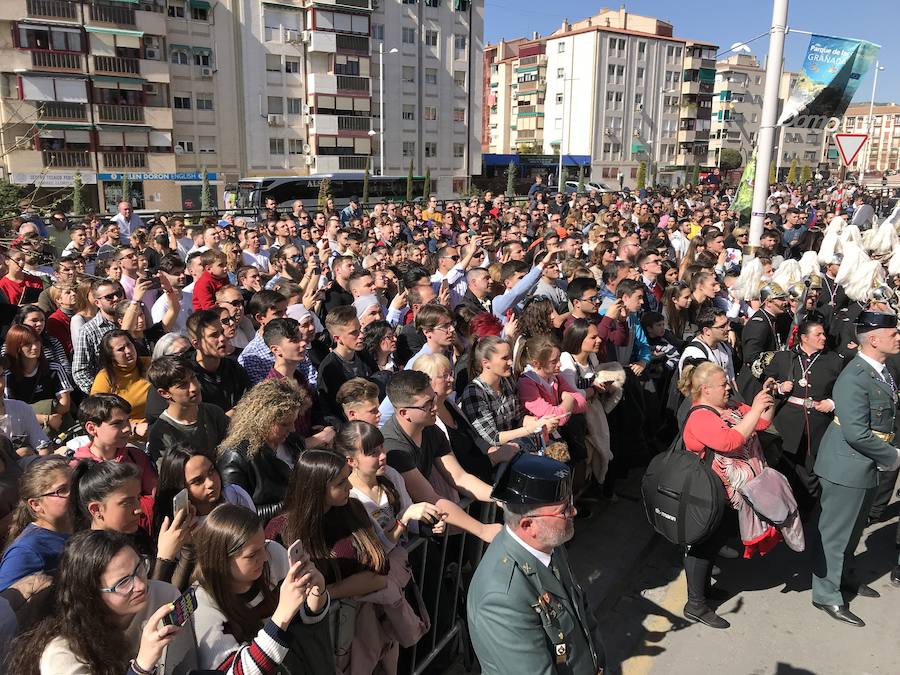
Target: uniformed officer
856,446
765,331
805,377
844,324
526,612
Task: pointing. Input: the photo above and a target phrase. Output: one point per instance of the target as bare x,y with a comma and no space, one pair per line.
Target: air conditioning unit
275,120
305,36
607,132
206,71
151,53
310,160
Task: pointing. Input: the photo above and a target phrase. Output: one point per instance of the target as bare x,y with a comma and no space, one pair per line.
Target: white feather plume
748,283
809,263
787,274
831,242
894,262
881,240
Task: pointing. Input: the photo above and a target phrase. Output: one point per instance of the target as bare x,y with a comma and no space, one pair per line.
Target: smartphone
179,501
296,552
182,609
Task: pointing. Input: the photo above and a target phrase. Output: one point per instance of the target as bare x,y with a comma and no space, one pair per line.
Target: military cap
533,480
867,321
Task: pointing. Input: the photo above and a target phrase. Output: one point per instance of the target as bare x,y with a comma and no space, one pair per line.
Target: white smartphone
179,501
296,552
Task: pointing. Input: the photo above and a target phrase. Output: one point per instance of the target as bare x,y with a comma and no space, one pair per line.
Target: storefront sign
182,176
52,179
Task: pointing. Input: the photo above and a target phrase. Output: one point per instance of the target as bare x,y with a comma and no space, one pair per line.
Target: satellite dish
306,148
740,47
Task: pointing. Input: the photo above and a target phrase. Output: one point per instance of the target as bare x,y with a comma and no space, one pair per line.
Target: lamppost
393,50
870,126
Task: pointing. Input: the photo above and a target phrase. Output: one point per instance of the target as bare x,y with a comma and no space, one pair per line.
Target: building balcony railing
107,112
346,123
527,109
66,158
103,13
125,160
356,44
526,133
117,64
534,85
353,162
52,9
57,110
56,60
528,60
352,83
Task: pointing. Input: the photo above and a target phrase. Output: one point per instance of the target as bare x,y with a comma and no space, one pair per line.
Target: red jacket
205,290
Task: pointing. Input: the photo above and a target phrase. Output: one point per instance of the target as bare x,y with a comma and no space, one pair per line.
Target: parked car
572,186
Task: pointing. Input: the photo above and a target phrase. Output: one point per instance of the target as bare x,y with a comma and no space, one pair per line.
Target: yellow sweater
130,386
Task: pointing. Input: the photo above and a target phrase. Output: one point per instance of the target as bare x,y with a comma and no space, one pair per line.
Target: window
176,9
642,50
199,13
615,74
273,63
378,31
638,100
432,3
291,66
184,146
408,36
429,113
201,58
459,46
430,149
559,99
431,38
181,102
561,48
409,74
275,105
560,72
205,103
617,47
208,144
294,106
276,146
459,114
640,77
459,150
295,146
431,76
409,148
342,23
409,112
459,78
180,57
410,2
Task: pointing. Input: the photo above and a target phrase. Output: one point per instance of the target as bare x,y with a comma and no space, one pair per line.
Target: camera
147,275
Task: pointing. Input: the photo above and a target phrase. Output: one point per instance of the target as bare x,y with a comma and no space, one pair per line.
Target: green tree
579,189
805,174
365,190
426,186
9,198
511,173
773,178
409,183
77,204
730,159
324,193
205,196
792,172
642,176
126,188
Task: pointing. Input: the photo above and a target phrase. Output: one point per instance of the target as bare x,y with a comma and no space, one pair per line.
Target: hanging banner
744,197
830,76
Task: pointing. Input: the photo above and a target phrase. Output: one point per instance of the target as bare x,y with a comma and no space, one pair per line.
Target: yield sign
849,146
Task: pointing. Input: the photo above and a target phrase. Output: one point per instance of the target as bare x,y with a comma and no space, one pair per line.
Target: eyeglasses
62,493
593,299
228,320
234,303
125,586
566,512
445,327
723,326
428,406
111,296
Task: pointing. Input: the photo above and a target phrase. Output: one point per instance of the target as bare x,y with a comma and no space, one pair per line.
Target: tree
642,176
365,190
324,193
205,196
426,186
511,173
409,183
77,205
579,189
730,159
792,172
805,174
126,188
10,195
773,178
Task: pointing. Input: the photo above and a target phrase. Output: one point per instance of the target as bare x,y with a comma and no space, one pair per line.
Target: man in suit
857,445
526,612
765,331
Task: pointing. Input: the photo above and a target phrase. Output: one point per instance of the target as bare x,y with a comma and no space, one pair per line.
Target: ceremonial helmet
772,291
814,281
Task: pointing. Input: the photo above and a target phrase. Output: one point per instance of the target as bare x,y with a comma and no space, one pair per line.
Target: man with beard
527,614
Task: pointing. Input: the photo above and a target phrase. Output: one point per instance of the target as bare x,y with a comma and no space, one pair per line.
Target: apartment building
515,96
882,150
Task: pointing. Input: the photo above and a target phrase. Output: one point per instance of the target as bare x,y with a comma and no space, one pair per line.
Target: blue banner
136,176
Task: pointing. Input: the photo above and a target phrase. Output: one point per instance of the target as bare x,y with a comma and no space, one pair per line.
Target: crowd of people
186,401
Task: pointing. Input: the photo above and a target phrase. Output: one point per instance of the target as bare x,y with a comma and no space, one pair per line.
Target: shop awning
200,4
114,31
65,125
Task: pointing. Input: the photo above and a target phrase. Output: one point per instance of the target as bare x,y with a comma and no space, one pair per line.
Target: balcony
536,85
352,83
117,14
526,133
352,44
107,112
55,60
80,159
52,9
528,109
688,87
322,41
691,135
352,162
59,111
688,111
528,61
125,160
696,63
118,65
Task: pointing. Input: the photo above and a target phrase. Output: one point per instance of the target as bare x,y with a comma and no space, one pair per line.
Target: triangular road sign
849,146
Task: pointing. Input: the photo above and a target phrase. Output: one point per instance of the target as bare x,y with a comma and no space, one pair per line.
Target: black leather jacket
263,476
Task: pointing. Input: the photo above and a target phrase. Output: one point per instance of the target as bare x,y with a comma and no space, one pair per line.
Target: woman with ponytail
41,522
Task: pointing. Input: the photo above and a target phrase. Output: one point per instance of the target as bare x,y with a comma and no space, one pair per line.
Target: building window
180,57
204,103
409,74
410,2
294,106
561,48
184,146
199,13
431,149
201,58
409,148
617,47
176,9
431,38
559,99
378,31
275,105
459,150
207,144
429,113
560,73
432,3
409,112
273,63
638,99
459,114
408,35
642,50
639,82
295,146
291,66
276,146
459,78
431,76
615,74
181,102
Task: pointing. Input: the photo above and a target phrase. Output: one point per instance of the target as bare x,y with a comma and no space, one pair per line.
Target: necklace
804,380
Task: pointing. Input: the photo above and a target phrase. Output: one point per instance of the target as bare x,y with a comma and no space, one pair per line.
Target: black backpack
683,497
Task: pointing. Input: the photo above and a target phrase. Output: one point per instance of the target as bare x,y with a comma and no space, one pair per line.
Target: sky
724,22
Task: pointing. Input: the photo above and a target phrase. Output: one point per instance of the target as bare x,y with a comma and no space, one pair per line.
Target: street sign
849,146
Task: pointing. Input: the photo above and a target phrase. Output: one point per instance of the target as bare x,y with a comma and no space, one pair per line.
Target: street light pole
871,125
381,103
768,119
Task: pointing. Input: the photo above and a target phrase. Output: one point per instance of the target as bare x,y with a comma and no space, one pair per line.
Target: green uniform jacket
849,452
512,632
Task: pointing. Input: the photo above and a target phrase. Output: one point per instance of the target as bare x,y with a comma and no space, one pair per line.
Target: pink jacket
539,400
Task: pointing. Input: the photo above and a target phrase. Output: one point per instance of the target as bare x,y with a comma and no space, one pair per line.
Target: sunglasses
233,303
111,296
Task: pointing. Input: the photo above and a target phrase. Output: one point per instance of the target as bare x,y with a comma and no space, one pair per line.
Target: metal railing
125,160
117,64
55,9
66,158
59,60
351,43
352,162
351,83
354,123
108,112
58,110
113,14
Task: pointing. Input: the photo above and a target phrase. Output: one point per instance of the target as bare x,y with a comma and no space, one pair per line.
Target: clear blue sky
726,22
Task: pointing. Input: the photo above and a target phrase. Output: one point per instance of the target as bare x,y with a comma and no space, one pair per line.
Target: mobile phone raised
296,552
179,501
182,609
